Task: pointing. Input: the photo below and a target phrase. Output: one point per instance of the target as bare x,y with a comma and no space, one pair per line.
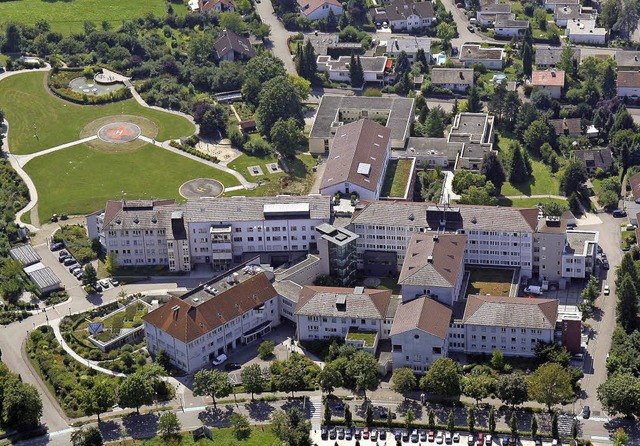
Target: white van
219,360
533,289
473,21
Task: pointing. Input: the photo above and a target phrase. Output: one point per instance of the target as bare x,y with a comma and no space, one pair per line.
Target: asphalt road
277,41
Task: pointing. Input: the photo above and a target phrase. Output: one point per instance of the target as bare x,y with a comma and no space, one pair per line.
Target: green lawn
396,178
367,337
69,16
528,202
542,182
26,102
244,161
79,180
494,281
260,436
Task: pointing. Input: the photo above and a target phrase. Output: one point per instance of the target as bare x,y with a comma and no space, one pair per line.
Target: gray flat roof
42,276
25,254
399,109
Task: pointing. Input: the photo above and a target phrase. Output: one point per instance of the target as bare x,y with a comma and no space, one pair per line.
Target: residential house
419,333
338,69
491,58
217,6
594,159
336,111
566,13
333,312
330,45
432,151
433,266
552,5
550,81
513,325
409,44
567,126
230,46
579,255
586,31
227,312
628,84
634,185
627,60
486,15
507,25
385,229
549,57
454,79
475,130
405,15
319,9
358,160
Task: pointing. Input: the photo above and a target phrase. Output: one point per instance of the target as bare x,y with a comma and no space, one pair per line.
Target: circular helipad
119,132
201,188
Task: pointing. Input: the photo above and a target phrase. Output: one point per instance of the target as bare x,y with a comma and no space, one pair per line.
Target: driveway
277,40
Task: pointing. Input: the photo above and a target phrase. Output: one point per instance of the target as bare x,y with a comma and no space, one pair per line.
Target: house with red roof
551,81
319,9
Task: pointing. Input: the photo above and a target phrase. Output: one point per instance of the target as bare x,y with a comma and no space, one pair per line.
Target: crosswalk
316,412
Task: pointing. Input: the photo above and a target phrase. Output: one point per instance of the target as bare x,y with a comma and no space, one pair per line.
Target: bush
265,351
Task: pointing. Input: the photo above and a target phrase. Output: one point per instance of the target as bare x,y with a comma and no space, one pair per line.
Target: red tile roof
634,183
553,78
308,6
424,314
629,79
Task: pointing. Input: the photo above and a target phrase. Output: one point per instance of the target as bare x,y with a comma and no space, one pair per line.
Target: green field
260,436
26,102
69,16
529,202
396,178
79,180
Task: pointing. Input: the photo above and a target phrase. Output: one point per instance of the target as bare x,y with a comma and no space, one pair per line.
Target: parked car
405,435
98,288
56,246
586,412
232,366
114,282
471,440
447,437
431,436
365,433
606,290
358,434
456,437
333,433
556,442
471,28
104,283
488,439
439,437
61,259
341,433
505,440
605,264
538,442
618,213
348,434
382,434
70,261
480,441
74,268
324,434
219,360
398,434
63,253
423,435
414,436
374,435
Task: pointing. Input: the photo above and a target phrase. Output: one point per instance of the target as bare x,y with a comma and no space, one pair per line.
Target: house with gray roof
566,13
627,60
409,44
358,160
231,46
330,45
471,54
507,25
396,113
594,159
403,15
475,130
419,334
338,69
552,5
486,15
433,267
550,57
432,151
455,79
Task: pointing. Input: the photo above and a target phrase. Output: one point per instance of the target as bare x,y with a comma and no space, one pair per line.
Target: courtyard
489,281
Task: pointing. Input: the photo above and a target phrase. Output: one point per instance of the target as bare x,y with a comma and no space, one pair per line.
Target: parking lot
417,436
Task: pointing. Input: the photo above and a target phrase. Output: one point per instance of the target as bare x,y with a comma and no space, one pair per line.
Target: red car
365,433
431,437
480,441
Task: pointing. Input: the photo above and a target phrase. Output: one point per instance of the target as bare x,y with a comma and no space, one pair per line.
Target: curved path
18,161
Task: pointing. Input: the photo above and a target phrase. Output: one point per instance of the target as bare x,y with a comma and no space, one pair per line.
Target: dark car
605,264
232,366
423,435
324,434
398,434
98,288
333,433
338,406
471,28
358,434
348,434
56,246
414,436
506,440
69,261
382,434
341,433
586,412
538,442
64,257
62,253
405,435
619,213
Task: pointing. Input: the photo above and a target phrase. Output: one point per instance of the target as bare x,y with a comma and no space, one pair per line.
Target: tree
21,405
474,105
627,267
330,378
87,437
331,21
265,350
136,390
451,421
241,427
445,32
327,413
169,425
628,18
421,57
554,426
356,74
233,21
301,87
627,306
574,204
443,378
362,370
291,427
252,379
432,419
513,424
550,384
512,389
214,120
409,418
90,276
389,418
534,425
526,115
477,386
609,13
497,360
492,420
286,136
111,263
163,359
99,399
573,178
471,419
434,124
368,416
213,383
518,172
275,102
620,437
403,381
609,82
492,169
537,134
12,38
527,60
348,417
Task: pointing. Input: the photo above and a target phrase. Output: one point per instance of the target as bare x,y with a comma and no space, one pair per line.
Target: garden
61,82
397,178
259,436
493,281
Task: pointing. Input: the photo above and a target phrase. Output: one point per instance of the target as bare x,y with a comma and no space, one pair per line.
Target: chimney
461,75
553,74
430,259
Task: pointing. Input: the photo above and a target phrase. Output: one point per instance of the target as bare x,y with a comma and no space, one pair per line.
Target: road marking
193,409
64,431
598,437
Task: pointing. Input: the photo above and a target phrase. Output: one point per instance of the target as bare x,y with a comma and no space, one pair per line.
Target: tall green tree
291,427
286,137
451,421
471,419
513,424
368,415
330,378
627,306
356,73
275,102
492,169
21,405
627,266
403,381
512,389
90,276
348,417
573,178
136,390
445,32
554,426
443,378
87,437
327,413
432,419
538,133
492,420
534,426
550,384
252,379
474,105
99,399
478,386
434,124
213,383
609,82
169,425
518,172
527,60
362,370
409,418
497,360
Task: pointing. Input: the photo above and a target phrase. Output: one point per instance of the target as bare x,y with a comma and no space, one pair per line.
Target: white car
104,283
439,437
606,290
219,360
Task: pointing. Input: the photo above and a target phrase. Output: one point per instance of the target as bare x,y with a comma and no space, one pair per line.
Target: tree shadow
405,405
110,430
140,426
259,410
217,417
302,405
